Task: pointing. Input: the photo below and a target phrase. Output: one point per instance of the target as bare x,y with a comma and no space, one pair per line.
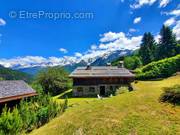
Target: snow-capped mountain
70,65
108,58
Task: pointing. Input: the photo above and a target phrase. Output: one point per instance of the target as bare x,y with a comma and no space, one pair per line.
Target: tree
168,45
132,62
54,80
178,47
147,49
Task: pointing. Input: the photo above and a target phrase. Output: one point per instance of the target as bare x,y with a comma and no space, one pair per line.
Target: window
111,88
91,89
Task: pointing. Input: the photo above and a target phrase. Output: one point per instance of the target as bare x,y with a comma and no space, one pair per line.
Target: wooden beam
7,99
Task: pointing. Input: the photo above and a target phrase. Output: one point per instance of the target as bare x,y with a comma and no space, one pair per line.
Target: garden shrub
171,95
121,90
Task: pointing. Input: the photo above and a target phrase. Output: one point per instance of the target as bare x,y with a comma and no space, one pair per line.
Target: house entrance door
102,90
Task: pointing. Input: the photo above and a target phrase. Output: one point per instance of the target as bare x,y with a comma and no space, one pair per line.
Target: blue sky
113,25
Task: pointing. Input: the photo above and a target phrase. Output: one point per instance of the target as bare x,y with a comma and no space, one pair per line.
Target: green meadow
133,113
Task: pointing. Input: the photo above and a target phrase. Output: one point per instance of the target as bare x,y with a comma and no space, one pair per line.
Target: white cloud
111,36
33,61
23,61
174,20
77,54
2,22
89,57
176,30
110,42
137,20
63,50
132,30
103,46
164,3
93,47
140,3
157,37
175,12
122,42
55,60
117,41
170,21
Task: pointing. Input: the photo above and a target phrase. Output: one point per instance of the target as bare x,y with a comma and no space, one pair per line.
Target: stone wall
94,90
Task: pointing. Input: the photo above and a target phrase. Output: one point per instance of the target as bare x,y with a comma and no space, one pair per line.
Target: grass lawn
135,113
72,102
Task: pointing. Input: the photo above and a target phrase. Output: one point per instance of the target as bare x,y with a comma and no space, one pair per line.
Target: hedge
159,69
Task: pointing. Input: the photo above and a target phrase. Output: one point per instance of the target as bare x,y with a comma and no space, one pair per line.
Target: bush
42,116
160,69
30,114
121,90
171,95
10,122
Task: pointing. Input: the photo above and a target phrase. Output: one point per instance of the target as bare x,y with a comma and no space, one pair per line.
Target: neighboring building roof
13,90
101,71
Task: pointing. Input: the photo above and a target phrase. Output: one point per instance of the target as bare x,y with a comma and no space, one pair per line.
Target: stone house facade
102,80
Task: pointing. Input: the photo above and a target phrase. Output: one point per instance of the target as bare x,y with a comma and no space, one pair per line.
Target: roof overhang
17,97
73,76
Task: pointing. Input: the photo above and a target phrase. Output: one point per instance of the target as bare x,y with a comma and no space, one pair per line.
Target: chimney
108,64
88,67
121,64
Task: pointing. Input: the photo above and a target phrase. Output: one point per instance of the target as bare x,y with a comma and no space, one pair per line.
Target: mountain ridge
10,74
97,61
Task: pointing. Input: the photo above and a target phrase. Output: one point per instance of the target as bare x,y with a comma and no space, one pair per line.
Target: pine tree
147,49
167,46
178,47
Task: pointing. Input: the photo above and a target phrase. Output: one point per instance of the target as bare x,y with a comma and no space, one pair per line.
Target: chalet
102,80
11,91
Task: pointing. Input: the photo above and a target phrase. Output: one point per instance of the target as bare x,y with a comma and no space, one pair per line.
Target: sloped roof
101,71
13,90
